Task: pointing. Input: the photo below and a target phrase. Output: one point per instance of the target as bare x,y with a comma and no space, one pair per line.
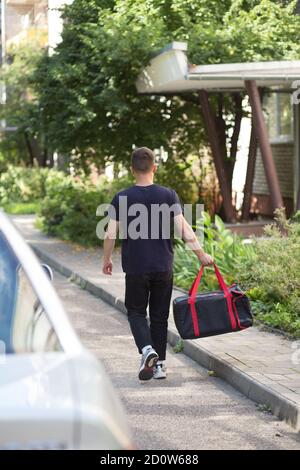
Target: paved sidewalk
257,363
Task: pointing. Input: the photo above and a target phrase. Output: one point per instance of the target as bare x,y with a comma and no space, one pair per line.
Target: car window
24,325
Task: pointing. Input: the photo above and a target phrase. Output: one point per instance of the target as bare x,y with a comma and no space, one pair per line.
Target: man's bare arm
185,231
108,246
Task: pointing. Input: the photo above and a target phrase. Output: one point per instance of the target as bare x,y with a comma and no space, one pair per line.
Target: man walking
147,257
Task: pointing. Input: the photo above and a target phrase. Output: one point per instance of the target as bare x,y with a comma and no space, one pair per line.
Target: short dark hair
142,160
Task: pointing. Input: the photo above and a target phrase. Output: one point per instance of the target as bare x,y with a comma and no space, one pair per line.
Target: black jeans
155,290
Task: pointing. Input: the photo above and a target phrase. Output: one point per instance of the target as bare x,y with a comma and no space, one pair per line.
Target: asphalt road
188,410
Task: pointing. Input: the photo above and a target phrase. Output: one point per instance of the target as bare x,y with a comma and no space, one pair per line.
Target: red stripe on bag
227,295
230,310
195,319
241,327
192,299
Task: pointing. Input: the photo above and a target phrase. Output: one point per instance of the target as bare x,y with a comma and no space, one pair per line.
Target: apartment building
27,21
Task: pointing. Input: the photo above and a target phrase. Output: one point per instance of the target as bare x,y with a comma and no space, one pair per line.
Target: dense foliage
272,275
25,141
225,247
22,185
85,94
68,209
87,88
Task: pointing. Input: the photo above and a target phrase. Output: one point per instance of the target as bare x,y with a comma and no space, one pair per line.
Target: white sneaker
149,359
159,371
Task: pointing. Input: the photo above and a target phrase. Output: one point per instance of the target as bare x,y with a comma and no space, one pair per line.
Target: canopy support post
249,175
264,144
212,134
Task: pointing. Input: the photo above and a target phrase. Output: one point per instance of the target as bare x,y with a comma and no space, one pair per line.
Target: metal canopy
169,72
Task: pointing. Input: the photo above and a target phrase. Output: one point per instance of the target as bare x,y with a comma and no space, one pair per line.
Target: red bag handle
193,293
195,285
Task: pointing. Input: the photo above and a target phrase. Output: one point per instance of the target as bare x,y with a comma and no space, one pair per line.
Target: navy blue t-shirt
147,229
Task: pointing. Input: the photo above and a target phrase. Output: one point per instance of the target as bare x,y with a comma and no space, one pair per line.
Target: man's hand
107,267
185,231
108,246
205,259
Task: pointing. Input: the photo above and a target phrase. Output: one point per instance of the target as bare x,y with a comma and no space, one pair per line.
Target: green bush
225,247
110,188
19,184
272,275
179,176
69,208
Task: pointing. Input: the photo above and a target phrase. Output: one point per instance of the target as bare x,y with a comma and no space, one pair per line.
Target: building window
279,116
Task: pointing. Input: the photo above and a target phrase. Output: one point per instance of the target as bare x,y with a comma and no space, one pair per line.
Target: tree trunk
30,150
51,160
40,154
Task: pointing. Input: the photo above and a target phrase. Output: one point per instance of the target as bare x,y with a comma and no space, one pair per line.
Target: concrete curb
253,389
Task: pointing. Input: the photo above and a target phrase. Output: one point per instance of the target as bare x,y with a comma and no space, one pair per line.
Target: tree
22,111
87,91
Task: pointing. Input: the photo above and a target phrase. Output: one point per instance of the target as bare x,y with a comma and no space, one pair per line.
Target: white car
54,394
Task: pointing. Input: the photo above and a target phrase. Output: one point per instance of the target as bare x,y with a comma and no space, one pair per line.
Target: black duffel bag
211,313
